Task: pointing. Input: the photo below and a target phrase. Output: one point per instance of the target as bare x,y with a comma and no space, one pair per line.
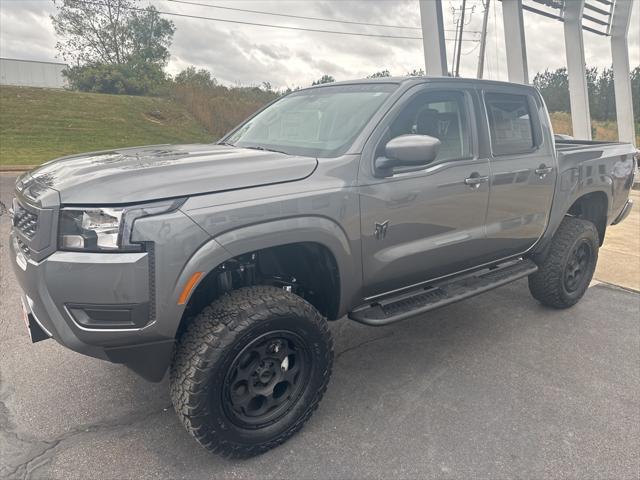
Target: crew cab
375,200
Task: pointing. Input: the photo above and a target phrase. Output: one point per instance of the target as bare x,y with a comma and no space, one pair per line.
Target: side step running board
441,293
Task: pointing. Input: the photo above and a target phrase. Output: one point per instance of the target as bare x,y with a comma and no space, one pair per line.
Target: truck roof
422,79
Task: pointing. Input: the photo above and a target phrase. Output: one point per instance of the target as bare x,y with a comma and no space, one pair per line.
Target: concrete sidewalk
619,257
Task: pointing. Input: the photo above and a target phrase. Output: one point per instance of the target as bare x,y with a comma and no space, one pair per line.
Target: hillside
37,124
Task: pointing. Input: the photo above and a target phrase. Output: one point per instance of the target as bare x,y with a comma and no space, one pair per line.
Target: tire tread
546,284
203,343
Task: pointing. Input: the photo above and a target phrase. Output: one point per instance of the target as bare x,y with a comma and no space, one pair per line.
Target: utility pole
457,70
455,49
483,39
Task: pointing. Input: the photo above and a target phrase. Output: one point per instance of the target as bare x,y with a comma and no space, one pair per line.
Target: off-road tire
548,285
206,352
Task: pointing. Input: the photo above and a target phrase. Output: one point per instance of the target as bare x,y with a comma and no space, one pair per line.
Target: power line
334,20
472,50
285,27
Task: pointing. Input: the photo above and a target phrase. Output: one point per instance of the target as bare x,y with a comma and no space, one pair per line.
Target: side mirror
408,151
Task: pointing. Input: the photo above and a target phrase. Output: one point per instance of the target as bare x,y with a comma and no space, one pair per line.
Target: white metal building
28,73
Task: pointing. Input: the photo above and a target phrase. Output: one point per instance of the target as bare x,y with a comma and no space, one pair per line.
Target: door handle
474,181
542,171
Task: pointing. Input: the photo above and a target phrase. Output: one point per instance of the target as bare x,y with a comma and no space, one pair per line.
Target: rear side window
510,123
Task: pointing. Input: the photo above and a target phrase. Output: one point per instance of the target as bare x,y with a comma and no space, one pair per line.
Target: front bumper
96,304
37,332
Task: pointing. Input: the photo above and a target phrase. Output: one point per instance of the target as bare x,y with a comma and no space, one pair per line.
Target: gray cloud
249,55
26,31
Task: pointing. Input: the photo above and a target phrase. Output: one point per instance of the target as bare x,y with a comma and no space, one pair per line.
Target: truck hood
156,172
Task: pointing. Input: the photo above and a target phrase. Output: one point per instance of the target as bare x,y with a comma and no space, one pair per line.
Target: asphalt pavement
493,387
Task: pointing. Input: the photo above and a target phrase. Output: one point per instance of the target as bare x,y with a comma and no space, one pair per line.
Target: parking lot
493,387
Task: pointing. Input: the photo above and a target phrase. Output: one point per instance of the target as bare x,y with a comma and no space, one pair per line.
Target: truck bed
583,164
567,145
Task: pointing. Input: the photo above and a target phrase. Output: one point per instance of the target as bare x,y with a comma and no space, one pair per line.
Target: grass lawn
38,124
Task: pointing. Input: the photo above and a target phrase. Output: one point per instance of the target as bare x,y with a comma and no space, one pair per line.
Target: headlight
98,229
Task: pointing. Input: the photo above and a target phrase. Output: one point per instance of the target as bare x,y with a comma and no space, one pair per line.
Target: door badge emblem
381,229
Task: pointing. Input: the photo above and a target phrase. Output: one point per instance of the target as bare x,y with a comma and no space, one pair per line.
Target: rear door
425,222
523,169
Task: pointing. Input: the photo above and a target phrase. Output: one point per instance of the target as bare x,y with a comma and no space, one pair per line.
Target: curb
16,168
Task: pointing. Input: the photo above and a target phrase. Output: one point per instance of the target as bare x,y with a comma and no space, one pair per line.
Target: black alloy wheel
578,266
266,379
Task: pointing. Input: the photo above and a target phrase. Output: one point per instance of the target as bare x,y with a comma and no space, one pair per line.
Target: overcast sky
250,55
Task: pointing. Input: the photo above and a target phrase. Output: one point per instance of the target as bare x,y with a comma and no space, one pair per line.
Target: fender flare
571,188
307,229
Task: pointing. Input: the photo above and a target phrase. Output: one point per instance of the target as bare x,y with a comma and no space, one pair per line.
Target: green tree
128,78
380,74
635,93
554,87
115,46
288,90
324,79
604,100
150,36
197,78
415,73
111,32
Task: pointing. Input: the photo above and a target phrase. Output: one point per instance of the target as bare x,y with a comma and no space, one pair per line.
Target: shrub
129,78
220,108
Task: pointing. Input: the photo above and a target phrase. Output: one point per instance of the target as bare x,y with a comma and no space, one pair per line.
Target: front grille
25,221
34,223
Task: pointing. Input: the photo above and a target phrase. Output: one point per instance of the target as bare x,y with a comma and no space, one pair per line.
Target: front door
430,222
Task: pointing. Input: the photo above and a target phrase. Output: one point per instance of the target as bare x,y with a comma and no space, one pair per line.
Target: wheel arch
569,199
594,207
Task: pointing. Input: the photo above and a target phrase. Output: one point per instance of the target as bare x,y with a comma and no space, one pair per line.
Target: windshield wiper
264,149
226,144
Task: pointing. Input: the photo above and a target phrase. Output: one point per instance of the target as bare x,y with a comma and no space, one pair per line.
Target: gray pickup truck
377,200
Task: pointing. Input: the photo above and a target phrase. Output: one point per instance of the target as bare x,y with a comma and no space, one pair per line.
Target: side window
438,114
509,123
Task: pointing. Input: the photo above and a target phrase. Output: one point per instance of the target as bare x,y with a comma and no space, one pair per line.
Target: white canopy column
435,52
514,41
621,81
576,70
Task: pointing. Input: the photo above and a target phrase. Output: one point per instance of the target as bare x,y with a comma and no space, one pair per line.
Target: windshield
320,122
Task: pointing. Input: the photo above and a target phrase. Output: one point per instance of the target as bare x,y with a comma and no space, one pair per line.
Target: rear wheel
564,276
250,370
